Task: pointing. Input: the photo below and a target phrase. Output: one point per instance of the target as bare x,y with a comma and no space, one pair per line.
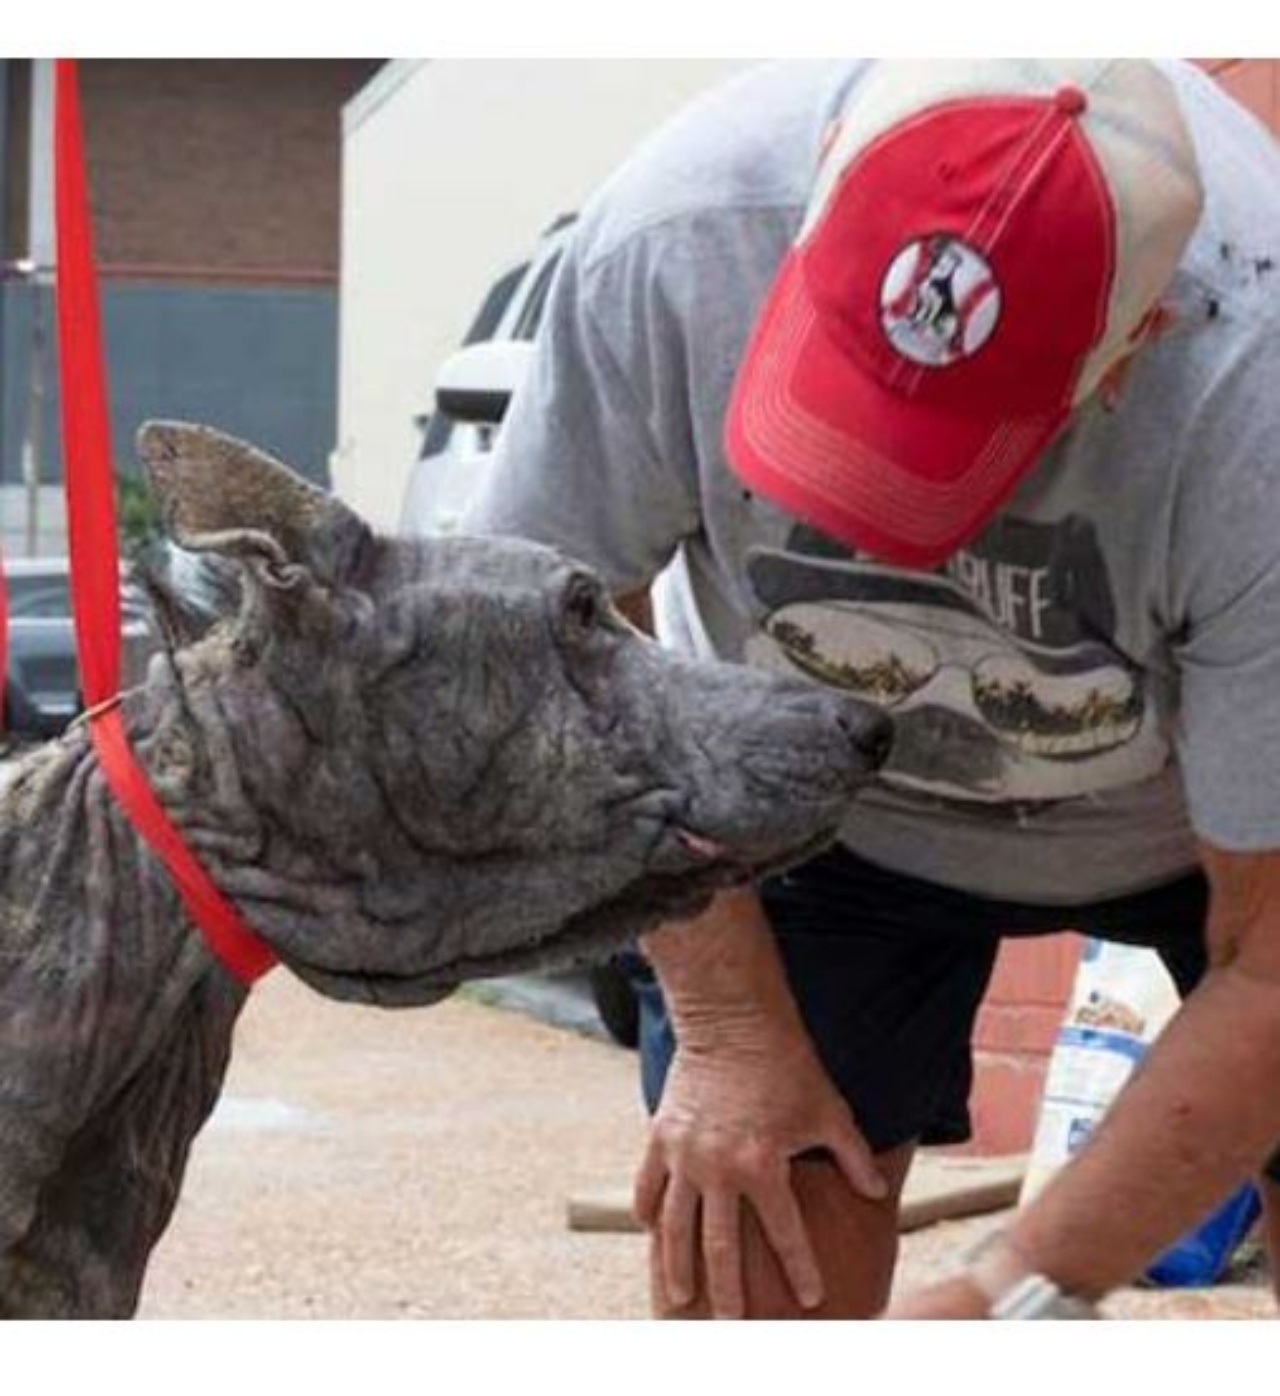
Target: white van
474,387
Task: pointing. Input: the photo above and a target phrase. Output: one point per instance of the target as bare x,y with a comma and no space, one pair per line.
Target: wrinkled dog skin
408,763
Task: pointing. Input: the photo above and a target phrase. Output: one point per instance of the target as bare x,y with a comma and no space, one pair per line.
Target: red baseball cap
985,241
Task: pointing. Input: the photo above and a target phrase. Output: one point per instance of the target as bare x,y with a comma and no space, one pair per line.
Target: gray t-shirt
1083,691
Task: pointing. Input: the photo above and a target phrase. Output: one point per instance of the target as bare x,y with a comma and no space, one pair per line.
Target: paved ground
380,1165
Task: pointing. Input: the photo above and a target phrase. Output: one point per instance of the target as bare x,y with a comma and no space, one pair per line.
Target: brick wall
1032,982
211,169
1014,1036
216,189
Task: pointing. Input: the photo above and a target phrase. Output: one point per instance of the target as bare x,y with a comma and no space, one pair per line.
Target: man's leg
855,1240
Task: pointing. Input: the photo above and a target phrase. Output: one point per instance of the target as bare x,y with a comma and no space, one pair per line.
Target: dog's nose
870,732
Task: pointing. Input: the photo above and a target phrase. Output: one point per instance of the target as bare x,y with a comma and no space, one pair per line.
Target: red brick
1018,1028
1014,1035
1037,970
1005,1103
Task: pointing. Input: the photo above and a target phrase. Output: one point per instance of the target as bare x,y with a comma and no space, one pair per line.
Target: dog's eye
583,604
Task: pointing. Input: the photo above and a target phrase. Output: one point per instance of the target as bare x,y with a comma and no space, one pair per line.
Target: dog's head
414,761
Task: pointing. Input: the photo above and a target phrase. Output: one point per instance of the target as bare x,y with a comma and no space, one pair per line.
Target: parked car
473,390
42,675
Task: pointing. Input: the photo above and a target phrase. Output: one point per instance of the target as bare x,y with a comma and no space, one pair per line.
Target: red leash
95,566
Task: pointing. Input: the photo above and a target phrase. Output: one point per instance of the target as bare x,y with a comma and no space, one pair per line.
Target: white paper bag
1121,1000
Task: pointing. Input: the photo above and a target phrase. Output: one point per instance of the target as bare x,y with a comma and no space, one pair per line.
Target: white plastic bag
1121,1000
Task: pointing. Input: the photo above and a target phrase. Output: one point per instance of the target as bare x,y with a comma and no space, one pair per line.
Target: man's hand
745,1094
730,1123
956,1298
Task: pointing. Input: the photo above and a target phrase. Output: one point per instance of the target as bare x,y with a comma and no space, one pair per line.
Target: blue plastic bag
1200,1257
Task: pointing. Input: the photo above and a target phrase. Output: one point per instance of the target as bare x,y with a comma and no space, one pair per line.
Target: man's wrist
1014,1288
723,980
993,1266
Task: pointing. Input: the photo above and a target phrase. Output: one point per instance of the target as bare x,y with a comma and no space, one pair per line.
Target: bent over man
952,385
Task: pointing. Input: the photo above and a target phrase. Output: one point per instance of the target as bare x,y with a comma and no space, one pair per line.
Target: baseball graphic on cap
939,301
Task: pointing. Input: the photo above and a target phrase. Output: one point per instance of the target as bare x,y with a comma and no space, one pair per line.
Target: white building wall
451,169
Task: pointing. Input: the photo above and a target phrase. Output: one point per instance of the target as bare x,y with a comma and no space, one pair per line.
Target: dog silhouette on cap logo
939,301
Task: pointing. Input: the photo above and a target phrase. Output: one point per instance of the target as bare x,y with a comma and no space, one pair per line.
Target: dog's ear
217,494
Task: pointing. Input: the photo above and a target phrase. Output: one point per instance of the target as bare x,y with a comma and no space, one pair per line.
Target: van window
499,297
530,318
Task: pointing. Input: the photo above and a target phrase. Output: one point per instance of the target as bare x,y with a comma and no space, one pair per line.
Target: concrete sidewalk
367,1164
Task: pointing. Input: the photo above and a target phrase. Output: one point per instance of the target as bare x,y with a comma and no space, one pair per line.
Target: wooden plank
939,1186
942,1186
602,1211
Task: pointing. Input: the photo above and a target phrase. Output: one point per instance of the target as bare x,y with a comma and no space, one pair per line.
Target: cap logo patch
939,301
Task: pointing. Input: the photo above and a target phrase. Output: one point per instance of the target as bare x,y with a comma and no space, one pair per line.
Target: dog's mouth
588,935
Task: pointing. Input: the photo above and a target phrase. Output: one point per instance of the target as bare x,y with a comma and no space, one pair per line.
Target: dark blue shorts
888,972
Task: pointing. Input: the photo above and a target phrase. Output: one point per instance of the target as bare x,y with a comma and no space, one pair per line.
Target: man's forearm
722,975
1200,1116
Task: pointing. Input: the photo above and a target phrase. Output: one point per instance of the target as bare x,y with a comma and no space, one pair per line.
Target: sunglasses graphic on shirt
1070,705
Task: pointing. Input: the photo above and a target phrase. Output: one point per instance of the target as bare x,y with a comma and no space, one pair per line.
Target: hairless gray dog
408,763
